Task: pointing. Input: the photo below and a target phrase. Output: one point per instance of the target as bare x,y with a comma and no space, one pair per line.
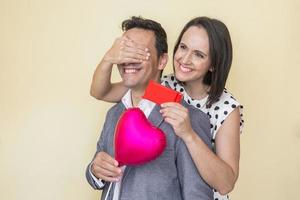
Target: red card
160,94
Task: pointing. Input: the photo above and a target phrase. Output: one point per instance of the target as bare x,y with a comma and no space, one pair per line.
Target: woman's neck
197,90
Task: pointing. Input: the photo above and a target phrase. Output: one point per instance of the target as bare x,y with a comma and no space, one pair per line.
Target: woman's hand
125,50
178,116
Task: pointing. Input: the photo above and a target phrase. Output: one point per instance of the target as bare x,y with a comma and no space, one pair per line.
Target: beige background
49,124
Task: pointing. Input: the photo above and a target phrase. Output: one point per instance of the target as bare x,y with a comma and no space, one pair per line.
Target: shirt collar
145,105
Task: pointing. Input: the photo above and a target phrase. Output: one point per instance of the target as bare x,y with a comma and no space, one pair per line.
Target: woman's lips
184,69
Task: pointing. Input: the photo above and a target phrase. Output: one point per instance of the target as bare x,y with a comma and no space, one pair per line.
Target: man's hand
125,50
106,168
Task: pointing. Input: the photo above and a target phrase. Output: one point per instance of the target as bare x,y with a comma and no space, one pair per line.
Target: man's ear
163,60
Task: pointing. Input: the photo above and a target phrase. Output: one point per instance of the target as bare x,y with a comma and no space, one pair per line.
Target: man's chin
129,84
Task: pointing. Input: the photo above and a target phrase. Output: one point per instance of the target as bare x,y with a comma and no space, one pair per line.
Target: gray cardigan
172,176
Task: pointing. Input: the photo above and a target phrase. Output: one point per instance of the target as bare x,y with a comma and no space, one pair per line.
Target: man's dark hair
161,44
220,51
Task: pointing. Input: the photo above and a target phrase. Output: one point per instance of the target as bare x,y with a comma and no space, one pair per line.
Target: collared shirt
146,106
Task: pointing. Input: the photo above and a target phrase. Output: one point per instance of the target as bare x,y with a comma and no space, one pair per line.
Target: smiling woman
192,61
202,60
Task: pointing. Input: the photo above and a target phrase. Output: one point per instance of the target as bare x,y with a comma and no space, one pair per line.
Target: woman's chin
180,77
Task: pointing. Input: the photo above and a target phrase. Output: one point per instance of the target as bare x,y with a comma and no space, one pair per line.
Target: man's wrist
92,170
99,182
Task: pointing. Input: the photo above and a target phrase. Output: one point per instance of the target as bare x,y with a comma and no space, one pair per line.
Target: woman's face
192,59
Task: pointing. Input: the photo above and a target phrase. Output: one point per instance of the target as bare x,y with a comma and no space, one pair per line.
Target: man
173,175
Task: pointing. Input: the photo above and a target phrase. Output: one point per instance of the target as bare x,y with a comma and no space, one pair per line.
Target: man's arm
103,167
91,178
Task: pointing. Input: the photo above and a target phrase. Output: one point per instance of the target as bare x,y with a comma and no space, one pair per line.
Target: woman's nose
186,58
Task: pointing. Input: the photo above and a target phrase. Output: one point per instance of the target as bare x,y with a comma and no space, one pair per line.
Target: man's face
137,75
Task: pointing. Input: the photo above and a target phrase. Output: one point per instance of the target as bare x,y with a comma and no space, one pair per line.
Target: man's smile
131,68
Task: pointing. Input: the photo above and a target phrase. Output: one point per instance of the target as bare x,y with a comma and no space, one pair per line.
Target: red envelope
160,94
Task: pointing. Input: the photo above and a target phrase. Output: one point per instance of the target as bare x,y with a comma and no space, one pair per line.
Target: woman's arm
102,88
219,170
123,50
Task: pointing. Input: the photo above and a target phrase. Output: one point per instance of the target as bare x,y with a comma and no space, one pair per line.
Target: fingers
176,115
105,174
130,60
174,111
130,46
108,159
130,43
173,104
125,50
133,50
171,121
127,54
105,167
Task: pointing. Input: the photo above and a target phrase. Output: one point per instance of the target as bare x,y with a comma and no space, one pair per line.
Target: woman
201,61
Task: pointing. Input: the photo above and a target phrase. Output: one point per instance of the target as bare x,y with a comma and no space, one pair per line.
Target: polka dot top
218,111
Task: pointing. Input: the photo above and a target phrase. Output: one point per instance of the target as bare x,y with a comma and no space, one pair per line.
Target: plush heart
137,141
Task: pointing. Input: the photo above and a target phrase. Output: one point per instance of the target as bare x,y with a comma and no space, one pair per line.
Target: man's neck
137,93
136,97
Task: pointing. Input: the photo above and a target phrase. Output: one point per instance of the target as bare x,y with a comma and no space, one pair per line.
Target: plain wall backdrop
49,124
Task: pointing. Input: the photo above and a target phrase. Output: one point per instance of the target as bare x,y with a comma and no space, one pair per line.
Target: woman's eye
182,46
199,55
